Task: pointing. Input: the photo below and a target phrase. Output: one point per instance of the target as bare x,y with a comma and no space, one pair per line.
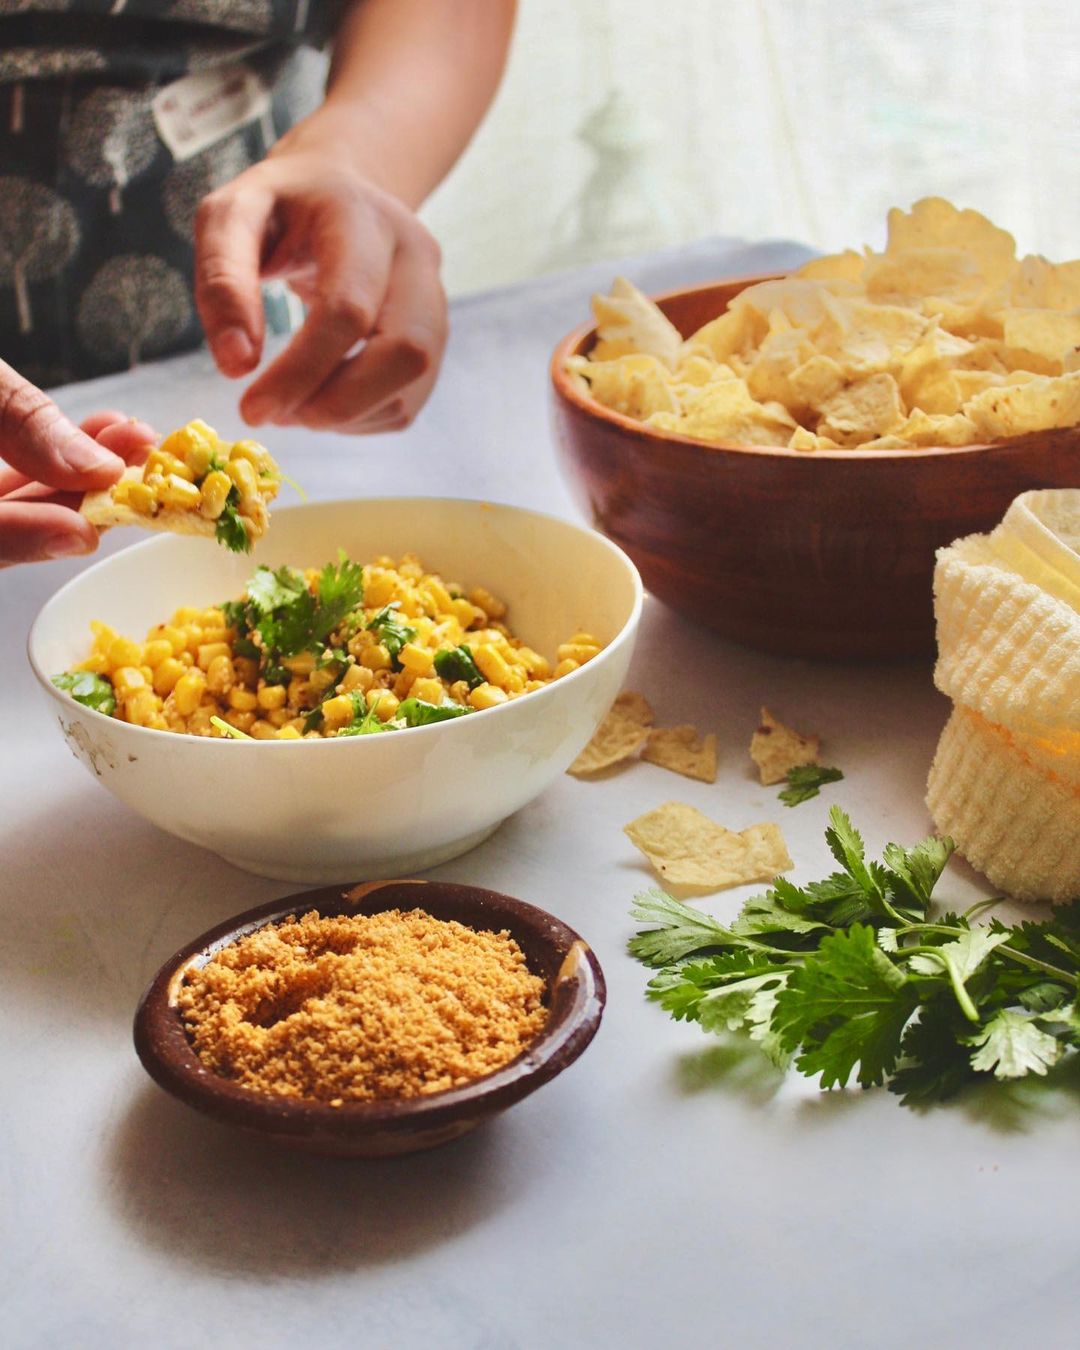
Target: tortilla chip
1038,404
102,510
624,730
627,321
776,749
682,750
689,850
868,408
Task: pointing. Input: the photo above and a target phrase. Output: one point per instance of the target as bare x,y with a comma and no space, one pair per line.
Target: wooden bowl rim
567,389
577,996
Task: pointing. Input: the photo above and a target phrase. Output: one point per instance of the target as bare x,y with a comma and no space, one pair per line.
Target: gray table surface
663,1190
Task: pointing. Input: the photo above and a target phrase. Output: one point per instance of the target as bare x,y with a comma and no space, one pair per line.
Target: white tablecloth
663,1190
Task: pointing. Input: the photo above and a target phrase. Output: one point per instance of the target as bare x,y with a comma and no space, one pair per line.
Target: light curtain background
624,125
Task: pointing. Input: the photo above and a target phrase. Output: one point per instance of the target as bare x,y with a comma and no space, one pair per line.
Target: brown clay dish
829,554
576,993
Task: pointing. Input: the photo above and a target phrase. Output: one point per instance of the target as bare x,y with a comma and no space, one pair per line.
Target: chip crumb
777,749
362,1007
689,850
683,750
623,732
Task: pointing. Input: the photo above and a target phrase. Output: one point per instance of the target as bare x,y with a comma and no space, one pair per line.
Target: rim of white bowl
163,540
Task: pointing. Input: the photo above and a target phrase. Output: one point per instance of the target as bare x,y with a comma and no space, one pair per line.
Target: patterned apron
96,211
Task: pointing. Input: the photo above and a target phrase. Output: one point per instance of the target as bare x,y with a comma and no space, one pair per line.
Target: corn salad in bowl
347,650
315,807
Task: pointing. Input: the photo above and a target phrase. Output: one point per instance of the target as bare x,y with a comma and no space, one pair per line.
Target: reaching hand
363,264
50,463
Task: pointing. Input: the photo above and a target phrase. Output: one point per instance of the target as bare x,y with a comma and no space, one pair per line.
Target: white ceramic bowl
364,806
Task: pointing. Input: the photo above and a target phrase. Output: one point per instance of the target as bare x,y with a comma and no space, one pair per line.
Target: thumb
40,442
229,232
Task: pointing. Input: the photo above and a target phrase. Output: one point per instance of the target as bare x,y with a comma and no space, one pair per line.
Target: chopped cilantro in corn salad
350,650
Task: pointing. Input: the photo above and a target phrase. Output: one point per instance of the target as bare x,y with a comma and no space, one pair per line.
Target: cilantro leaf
677,929
935,1062
805,781
92,691
269,590
1012,1045
846,845
366,721
914,872
846,1004
456,663
340,590
417,713
391,632
290,618
718,993
230,529
769,914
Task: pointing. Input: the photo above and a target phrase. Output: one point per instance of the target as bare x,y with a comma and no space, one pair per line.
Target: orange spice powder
362,1007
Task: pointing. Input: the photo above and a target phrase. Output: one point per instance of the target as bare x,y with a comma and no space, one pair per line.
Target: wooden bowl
829,554
576,995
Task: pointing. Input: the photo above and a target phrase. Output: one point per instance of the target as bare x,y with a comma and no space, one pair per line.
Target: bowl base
371,869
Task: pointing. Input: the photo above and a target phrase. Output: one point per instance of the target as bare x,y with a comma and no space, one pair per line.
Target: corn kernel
439,597
242,700
564,668
253,452
199,724
126,680
96,664
137,496
185,615
301,664
278,717
188,692
123,652
243,475
379,589
486,696
271,696
417,659
219,675
533,662
465,613
166,676
375,657
155,651
288,733
483,599
213,493
577,651
208,650
491,665
384,703
142,707
429,690
180,492
356,677
337,711
263,731
246,670
242,721
321,680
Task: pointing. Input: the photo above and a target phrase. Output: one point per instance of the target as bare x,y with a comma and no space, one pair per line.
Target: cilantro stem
1036,964
967,1007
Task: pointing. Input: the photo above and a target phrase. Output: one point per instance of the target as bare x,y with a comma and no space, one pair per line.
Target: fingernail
67,546
82,454
234,349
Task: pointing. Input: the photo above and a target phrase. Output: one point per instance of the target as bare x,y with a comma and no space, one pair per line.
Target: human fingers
39,441
352,248
37,531
98,421
230,230
132,441
406,348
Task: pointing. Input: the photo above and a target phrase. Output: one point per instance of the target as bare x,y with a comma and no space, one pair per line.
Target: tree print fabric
96,217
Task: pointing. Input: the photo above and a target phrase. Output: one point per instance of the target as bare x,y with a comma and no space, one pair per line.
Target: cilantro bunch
852,975
281,616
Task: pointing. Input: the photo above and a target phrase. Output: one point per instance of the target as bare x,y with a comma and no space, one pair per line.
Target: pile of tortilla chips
946,338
